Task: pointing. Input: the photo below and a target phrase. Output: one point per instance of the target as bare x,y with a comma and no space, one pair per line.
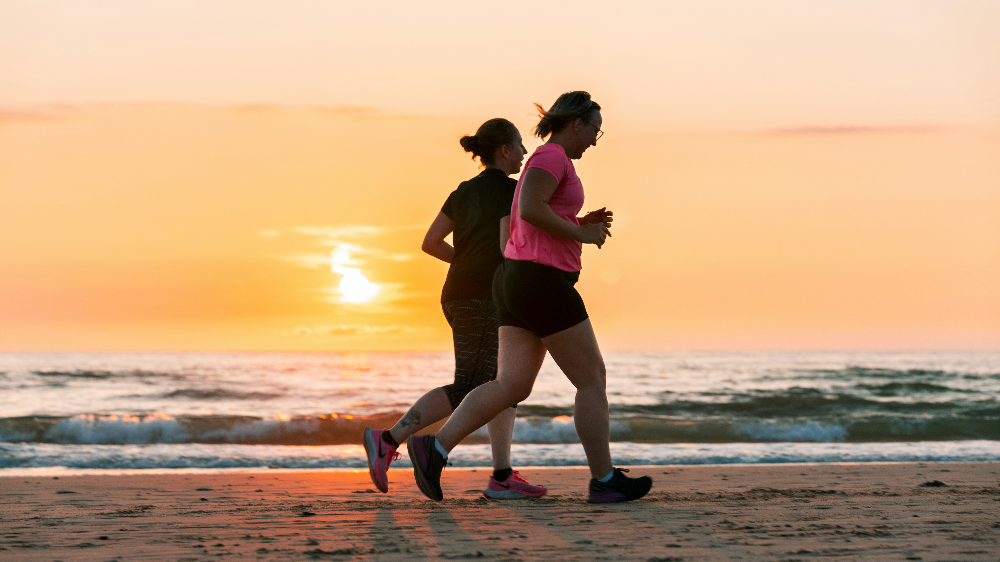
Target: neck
499,167
563,140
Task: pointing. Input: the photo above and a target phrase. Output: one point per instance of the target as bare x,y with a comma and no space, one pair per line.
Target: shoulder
551,158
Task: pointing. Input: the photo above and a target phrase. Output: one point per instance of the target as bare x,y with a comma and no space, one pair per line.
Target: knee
520,395
515,393
596,379
456,393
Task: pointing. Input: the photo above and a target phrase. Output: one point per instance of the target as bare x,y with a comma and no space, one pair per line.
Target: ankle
440,448
502,474
387,437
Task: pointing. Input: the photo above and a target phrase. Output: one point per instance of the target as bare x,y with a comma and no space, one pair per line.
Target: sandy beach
748,512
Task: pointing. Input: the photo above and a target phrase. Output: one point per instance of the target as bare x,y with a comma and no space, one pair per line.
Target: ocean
225,411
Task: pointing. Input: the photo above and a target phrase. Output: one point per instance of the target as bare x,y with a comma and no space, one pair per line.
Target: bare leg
576,352
520,358
501,434
431,407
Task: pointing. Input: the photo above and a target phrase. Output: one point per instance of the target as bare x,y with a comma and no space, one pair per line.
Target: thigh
576,352
543,298
520,357
474,332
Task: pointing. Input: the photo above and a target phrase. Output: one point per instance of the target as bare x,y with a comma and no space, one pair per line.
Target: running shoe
380,455
514,487
427,465
620,488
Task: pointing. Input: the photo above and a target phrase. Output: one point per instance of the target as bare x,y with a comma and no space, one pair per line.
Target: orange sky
784,176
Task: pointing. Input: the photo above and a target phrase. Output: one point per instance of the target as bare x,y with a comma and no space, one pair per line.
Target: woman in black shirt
478,213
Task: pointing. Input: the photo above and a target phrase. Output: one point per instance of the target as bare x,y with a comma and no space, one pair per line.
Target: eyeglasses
600,133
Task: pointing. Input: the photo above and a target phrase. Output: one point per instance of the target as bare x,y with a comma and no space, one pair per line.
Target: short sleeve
554,162
447,207
505,201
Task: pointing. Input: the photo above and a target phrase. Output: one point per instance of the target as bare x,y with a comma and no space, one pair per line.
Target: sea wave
26,458
855,372
105,375
334,429
218,394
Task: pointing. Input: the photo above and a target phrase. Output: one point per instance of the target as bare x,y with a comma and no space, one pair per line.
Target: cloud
337,237
334,233
38,113
347,330
309,261
856,130
348,112
388,293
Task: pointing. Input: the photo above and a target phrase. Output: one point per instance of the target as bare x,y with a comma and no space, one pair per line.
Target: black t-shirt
476,208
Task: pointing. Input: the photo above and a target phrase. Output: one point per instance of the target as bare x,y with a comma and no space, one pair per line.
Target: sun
356,288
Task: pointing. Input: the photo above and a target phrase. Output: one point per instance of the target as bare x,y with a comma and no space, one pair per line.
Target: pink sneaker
380,455
514,487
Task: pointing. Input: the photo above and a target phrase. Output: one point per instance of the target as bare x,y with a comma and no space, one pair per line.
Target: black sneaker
427,465
620,488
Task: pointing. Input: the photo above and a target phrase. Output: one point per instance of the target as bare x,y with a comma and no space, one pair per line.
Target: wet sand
758,512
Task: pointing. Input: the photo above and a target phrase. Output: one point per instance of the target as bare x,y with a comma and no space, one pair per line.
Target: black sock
387,437
502,474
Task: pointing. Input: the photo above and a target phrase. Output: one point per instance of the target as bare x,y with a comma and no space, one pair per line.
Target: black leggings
474,329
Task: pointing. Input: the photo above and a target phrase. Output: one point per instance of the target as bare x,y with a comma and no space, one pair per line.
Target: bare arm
434,243
533,206
504,232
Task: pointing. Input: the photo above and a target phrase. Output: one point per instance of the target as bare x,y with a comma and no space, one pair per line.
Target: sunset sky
784,174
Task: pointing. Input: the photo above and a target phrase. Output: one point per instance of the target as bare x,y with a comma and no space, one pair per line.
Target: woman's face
586,133
515,155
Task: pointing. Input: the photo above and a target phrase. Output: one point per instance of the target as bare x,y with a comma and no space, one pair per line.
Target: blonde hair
565,110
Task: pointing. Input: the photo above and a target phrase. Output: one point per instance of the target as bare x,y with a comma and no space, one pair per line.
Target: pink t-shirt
528,243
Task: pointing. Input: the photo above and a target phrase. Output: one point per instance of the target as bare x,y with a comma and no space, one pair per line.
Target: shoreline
798,511
49,471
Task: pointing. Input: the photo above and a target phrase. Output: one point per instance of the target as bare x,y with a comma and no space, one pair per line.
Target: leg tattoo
411,418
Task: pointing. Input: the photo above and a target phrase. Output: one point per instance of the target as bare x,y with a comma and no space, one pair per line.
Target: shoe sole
510,495
418,473
623,498
371,447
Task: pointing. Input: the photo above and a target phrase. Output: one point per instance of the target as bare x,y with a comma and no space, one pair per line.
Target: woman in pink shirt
540,310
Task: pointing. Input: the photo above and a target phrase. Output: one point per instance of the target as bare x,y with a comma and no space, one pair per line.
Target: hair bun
490,136
469,142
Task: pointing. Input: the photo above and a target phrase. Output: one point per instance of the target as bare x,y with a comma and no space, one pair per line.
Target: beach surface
874,511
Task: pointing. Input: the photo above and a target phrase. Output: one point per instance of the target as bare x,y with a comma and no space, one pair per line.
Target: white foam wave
560,429
772,430
92,429
16,457
261,430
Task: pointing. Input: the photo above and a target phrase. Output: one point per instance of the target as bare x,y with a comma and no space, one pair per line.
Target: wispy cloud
384,303
347,330
37,113
343,112
334,233
361,287
856,130
345,239
350,112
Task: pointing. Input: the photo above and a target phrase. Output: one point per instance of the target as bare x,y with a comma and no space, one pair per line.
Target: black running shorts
537,297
